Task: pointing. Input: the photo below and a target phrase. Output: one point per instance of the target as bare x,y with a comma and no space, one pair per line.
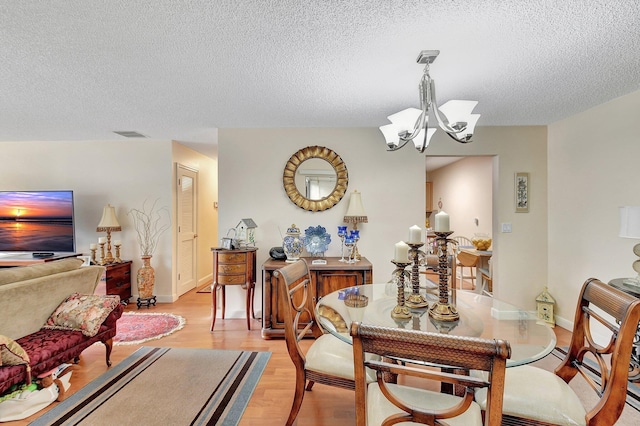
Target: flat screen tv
36,221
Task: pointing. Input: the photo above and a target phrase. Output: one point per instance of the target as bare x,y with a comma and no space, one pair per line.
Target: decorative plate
316,240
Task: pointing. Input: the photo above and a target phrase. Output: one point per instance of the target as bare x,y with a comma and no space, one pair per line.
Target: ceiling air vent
130,134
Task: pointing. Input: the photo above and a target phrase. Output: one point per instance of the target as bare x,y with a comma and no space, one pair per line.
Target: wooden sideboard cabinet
118,279
324,280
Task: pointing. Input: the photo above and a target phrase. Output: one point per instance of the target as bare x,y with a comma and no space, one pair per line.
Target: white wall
251,166
515,149
593,170
392,186
123,173
569,235
466,189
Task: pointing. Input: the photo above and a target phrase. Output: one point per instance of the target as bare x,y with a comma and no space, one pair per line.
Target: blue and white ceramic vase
293,244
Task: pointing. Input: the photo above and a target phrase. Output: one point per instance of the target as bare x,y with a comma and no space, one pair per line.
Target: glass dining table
480,316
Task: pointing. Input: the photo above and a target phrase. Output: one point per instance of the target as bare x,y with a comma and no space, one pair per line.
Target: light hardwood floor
271,401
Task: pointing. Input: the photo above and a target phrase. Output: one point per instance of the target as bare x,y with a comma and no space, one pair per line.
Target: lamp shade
630,222
109,221
355,212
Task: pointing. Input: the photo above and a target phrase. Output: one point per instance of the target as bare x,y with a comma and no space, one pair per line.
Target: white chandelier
412,124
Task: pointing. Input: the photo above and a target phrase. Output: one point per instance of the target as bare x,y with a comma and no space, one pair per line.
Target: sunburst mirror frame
289,174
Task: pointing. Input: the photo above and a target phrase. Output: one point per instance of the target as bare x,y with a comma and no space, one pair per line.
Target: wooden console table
325,279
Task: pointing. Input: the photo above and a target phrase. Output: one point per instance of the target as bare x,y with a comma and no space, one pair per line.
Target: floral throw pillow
11,353
82,312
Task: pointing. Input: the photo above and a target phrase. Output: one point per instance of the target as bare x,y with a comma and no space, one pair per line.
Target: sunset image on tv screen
36,221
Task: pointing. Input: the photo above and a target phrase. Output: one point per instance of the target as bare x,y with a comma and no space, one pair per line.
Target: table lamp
356,214
630,228
109,223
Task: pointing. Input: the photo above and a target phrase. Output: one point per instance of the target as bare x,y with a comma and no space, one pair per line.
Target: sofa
28,297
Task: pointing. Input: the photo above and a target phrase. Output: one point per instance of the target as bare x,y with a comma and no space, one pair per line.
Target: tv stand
25,259
42,255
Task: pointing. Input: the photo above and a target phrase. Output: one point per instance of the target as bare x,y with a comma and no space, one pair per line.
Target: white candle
402,252
442,222
116,243
102,240
93,246
415,234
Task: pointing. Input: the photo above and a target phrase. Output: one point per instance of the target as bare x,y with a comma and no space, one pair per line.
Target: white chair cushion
533,393
330,355
379,407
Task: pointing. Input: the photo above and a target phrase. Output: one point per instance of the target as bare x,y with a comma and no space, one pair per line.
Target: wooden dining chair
547,397
328,360
486,275
385,403
465,261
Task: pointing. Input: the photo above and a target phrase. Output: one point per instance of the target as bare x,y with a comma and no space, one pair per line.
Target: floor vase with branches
149,225
146,278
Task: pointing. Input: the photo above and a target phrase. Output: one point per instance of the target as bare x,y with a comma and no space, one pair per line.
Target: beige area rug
168,386
630,416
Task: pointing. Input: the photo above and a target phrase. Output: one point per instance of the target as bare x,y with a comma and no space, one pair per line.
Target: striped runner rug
173,386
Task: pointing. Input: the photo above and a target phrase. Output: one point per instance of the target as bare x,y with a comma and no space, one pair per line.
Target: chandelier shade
412,124
403,123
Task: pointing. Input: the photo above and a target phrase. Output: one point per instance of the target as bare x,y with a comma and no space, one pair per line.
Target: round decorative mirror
315,178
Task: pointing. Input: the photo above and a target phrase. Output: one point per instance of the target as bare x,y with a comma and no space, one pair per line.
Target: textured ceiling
173,69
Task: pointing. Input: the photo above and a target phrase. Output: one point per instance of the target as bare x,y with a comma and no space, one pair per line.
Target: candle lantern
545,307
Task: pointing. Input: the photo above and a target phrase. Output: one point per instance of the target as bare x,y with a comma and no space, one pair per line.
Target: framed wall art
522,192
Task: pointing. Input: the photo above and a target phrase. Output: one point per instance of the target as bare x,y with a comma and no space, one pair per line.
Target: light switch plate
506,227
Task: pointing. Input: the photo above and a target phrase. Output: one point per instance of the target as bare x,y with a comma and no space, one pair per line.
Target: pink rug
135,328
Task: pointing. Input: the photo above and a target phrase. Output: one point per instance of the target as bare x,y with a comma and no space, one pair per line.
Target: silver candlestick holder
443,310
349,243
401,310
415,299
342,237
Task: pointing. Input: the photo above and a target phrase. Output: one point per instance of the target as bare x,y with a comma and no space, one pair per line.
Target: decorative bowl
481,242
316,240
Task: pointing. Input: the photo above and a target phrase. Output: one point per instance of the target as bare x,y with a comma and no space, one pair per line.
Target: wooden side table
234,267
118,280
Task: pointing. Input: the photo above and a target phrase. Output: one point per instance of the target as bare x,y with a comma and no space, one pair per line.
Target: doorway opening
462,186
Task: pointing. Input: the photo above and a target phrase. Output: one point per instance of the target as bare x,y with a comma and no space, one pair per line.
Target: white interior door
187,228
